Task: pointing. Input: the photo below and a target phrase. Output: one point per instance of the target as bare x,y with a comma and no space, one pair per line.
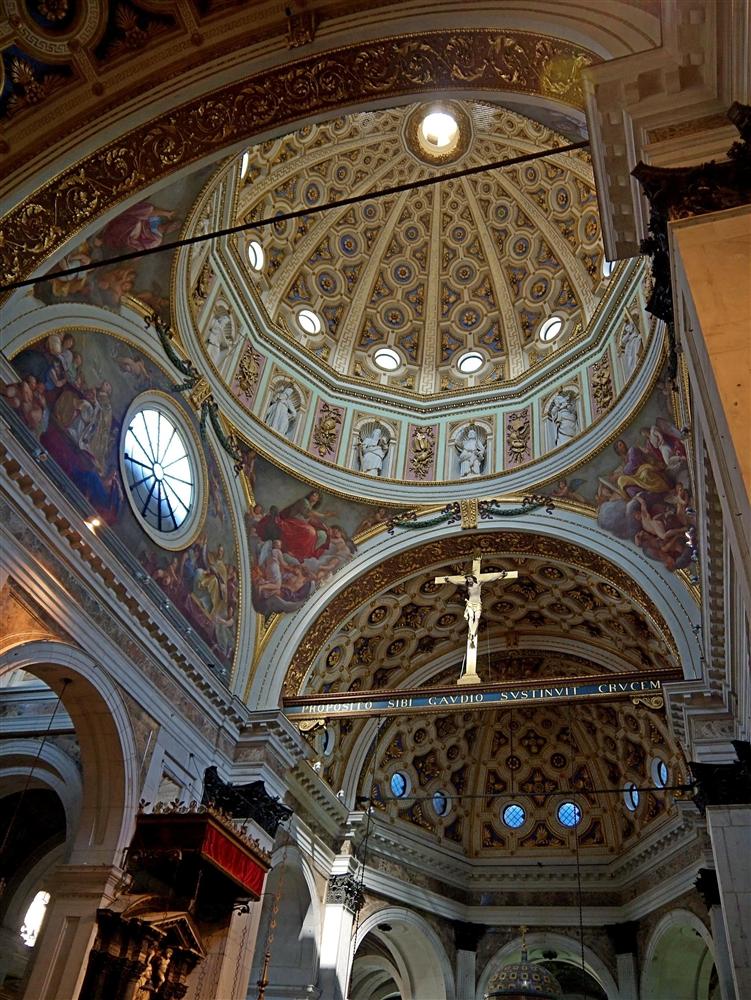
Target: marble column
723,794
69,928
623,938
466,938
344,898
706,884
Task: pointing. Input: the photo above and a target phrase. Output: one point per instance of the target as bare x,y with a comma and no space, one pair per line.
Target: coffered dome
473,266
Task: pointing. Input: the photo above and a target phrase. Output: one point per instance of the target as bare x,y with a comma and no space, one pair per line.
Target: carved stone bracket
724,784
345,890
707,887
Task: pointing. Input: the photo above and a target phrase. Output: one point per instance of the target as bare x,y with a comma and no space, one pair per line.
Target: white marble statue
471,451
372,451
219,337
563,420
281,412
630,347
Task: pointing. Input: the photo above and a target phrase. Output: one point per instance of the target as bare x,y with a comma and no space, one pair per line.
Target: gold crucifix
473,610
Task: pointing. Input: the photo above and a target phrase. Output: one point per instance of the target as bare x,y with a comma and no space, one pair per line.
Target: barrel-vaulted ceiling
474,264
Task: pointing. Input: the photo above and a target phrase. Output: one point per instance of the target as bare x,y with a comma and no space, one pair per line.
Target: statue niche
372,449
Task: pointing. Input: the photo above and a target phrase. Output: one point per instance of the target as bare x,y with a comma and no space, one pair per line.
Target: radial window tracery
158,470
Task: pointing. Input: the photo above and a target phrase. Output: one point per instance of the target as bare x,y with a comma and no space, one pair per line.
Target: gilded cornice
382,69
457,547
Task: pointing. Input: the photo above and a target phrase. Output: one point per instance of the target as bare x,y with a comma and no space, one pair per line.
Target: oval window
399,784
387,359
470,362
256,256
550,329
160,465
660,773
309,322
440,803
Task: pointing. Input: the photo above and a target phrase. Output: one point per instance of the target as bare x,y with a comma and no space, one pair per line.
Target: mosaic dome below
474,266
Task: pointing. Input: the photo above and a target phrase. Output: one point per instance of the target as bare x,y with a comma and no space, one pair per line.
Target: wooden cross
473,610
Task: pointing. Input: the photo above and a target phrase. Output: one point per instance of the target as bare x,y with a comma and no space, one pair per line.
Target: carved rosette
346,891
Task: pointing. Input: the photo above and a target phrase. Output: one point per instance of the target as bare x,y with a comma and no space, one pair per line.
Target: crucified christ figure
473,611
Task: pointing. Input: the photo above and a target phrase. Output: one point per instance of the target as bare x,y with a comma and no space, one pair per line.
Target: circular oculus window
309,322
608,266
550,329
256,256
569,814
470,363
244,164
162,470
439,129
387,359
514,815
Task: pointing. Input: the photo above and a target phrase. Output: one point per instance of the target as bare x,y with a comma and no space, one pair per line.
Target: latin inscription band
425,701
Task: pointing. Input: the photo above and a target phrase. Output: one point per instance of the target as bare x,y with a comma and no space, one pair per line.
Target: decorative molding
377,70
346,891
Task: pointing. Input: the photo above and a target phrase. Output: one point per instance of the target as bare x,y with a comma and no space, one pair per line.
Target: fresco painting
147,224
73,391
641,485
299,536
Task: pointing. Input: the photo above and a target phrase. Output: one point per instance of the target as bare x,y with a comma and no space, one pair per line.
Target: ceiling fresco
73,391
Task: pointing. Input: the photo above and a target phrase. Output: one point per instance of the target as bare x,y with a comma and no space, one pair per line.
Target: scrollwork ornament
346,891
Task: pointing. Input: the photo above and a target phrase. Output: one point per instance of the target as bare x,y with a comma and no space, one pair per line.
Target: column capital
346,891
467,936
724,784
623,937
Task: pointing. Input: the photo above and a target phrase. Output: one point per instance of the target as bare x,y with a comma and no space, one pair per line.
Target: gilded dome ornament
523,980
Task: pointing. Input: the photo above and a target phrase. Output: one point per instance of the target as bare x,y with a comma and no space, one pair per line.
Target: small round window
440,803
160,467
569,814
470,363
399,784
550,329
514,815
387,359
631,796
309,322
660,773
608,266
256,256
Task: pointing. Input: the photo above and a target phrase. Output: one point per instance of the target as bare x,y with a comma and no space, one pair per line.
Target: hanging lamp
523,980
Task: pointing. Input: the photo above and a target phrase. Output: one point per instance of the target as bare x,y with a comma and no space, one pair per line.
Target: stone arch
53,769
568,950
110,783
295,949
678,959
381,556
418,954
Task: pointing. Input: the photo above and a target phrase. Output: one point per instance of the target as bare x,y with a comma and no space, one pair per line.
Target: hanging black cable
576,840
244,227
